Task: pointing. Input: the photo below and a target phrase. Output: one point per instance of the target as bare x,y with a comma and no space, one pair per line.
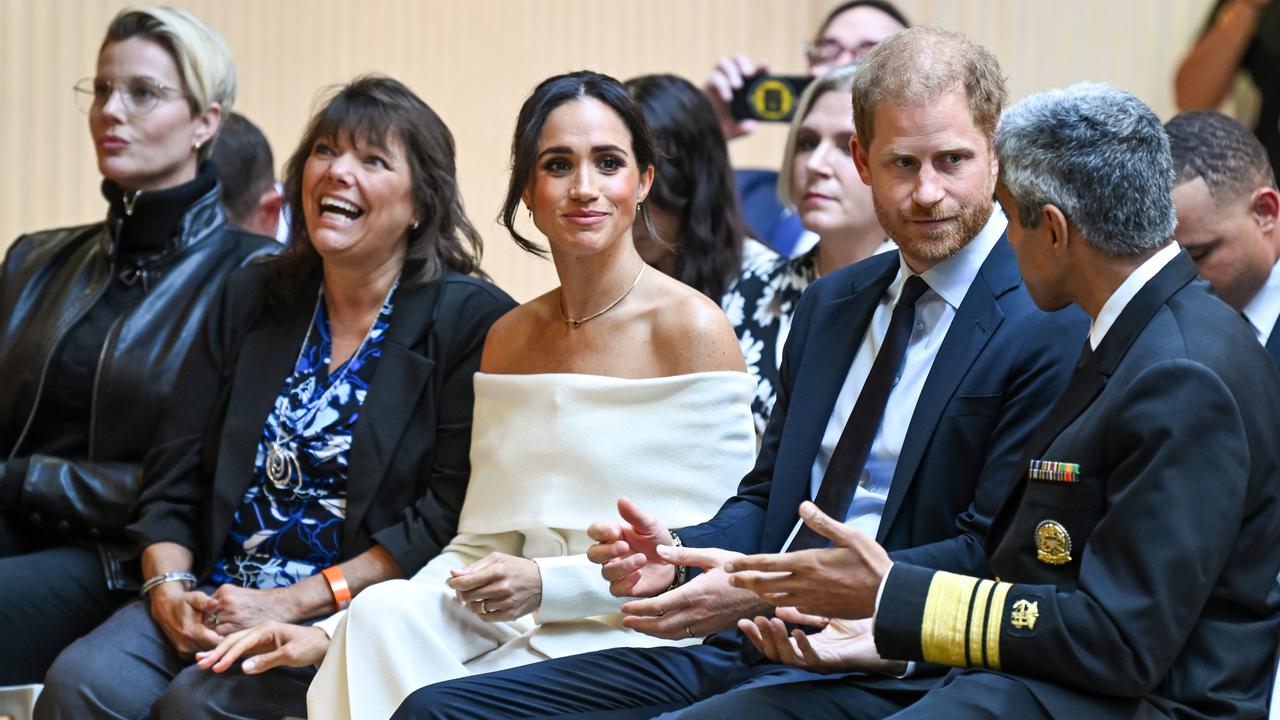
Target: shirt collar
1130,287
1264,309
951,278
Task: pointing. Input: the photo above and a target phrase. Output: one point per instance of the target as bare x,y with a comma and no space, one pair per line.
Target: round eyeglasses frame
139,94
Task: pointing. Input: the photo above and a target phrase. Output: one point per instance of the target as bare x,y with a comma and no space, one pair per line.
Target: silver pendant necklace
281,466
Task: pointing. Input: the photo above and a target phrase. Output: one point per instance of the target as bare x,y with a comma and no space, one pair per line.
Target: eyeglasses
827,51
139,94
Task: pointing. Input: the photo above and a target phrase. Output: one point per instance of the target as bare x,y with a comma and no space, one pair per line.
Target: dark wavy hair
694,182
549,95
371,109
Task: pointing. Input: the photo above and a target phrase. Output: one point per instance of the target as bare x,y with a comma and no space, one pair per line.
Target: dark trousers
710,682
126,668
688,682
54,593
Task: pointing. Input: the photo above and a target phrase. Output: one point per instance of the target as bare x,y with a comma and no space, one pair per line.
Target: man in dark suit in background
1132,566
1229,215
910,383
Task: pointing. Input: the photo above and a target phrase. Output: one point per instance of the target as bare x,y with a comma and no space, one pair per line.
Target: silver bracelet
682,571
149,585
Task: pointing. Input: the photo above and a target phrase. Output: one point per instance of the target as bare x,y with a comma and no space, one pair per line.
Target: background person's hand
729,76
499,586
627,551
268,645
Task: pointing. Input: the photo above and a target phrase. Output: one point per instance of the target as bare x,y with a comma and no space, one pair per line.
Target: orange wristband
338,586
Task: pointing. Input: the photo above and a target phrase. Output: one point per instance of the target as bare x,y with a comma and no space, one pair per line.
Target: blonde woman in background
819,182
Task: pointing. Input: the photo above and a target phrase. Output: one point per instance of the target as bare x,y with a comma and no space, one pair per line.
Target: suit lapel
396,388
837,333
975,322
266,358
1091,375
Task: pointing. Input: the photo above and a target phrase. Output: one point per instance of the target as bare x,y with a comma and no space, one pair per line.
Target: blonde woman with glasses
94,322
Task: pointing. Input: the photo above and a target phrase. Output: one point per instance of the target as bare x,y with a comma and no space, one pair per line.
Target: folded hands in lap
499,587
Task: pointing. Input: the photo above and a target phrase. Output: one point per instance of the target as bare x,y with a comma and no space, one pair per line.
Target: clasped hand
637,558
499,587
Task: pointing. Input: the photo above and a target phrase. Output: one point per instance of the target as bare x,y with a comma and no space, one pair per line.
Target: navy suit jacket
997,372
1273,343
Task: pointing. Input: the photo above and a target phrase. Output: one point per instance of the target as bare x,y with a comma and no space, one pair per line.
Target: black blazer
1168,598
409,461
997,372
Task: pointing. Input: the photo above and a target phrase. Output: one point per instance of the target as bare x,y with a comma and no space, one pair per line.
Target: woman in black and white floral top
820,182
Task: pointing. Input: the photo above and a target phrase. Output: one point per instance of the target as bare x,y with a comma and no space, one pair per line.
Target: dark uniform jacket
1136,564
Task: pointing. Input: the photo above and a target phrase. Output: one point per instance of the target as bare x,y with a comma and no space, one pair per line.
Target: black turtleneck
61,426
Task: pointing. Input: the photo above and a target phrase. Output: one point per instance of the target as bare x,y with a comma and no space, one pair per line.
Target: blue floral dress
284,532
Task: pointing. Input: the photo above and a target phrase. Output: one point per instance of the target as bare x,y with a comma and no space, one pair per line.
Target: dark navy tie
850,456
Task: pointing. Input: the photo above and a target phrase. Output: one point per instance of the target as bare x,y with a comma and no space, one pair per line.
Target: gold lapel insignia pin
1053,544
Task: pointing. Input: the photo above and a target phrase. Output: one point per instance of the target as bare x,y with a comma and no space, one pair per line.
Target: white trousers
401,635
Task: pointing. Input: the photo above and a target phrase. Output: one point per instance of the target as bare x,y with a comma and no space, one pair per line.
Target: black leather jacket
48,282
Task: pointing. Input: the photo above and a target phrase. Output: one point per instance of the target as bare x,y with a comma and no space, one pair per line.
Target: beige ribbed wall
475,60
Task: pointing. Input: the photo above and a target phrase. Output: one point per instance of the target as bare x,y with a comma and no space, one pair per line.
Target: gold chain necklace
579,322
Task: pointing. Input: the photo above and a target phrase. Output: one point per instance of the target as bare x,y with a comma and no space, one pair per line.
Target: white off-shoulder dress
550,454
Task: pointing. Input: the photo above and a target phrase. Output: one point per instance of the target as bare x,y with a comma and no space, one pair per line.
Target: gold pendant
282,467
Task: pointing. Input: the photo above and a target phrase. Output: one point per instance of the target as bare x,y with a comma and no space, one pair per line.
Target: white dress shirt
1115,304
1264,309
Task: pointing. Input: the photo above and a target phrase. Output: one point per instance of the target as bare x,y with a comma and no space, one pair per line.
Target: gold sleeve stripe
977,618
994,623
946,619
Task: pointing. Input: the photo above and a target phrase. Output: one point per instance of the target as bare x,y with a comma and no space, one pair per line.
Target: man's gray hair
1097,153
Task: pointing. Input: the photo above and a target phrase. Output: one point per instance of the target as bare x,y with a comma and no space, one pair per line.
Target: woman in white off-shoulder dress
621,382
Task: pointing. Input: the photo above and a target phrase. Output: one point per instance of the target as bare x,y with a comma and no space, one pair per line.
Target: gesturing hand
703,606
180,615
270,645
628,553
840,581
499,587
841,646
